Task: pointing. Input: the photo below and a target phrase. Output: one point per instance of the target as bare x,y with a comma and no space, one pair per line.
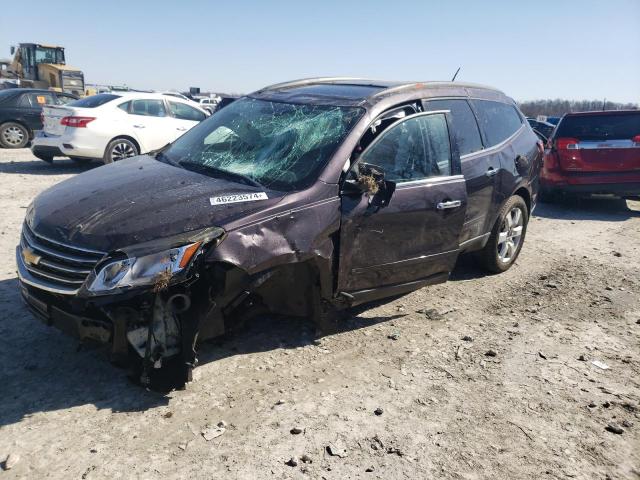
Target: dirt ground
406,390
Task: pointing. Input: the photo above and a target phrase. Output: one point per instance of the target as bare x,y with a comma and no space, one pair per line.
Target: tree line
558,107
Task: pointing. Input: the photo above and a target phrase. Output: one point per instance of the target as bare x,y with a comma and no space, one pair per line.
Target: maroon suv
594,153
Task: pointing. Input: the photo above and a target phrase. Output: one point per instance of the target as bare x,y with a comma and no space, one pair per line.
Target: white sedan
113,126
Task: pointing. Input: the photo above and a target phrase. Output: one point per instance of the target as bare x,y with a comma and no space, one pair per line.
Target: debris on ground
600,364
378,411
296,431
292,462
491,353
11,461
337,449
614,428
209,432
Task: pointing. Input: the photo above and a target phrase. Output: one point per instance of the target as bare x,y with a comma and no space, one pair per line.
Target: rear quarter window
497,120
94,100
608,126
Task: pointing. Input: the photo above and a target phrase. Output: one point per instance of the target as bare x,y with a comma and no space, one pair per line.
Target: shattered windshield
281,146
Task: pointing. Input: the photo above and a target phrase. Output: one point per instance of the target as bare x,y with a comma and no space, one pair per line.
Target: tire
505,242
13,135
119,149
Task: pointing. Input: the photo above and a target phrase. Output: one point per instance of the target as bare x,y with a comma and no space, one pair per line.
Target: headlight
145,270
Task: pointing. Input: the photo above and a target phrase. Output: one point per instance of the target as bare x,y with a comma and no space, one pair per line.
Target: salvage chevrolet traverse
303,198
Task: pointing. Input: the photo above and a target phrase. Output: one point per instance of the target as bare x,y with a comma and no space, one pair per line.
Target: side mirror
12,49
371,180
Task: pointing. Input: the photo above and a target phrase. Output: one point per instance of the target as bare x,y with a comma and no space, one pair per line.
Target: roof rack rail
307,81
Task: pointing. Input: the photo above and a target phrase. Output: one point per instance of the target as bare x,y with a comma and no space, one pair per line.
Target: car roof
347,91
29,90
602,112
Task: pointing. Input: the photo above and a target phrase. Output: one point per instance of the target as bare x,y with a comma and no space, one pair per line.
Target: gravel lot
406,390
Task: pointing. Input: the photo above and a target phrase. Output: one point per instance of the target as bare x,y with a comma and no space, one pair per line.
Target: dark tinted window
149,108
497,120
185,112
464,123
600,127
413,149
36,99
94,100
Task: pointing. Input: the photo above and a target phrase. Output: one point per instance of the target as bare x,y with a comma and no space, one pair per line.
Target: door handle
491,172
182,129
449,204
138,126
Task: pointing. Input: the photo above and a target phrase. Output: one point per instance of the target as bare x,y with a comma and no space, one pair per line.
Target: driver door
414,237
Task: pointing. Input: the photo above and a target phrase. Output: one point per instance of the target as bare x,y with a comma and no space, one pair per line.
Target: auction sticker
238,197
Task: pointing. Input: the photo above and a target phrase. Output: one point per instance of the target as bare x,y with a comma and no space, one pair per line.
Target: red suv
594,152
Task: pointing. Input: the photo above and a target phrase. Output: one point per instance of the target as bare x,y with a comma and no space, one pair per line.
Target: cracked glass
281,146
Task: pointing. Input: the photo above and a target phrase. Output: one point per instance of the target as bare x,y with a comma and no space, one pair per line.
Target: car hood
138,200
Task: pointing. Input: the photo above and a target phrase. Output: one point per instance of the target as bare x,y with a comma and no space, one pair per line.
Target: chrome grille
56,263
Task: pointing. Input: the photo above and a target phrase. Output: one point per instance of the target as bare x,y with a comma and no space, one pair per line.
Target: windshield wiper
219,172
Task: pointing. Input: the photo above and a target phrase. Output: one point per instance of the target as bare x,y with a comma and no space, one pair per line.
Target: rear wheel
13,135
119,149
507,236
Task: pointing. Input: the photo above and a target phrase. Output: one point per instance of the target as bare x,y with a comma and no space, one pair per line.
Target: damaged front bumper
147,325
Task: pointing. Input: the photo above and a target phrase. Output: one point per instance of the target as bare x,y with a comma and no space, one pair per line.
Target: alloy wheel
510,235
13,135
122,150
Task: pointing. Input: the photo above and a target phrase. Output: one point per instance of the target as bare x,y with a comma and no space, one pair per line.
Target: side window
64,99
185,112
37,99
126,106
149,108
412,149
465,126
497,120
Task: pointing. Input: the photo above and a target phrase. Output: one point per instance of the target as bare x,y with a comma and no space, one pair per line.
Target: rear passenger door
509,144
479,168
150,123
32,104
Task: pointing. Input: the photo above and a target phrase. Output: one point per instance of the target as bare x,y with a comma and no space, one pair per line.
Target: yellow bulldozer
42,66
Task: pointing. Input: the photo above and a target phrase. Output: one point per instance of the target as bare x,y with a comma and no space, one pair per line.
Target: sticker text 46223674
238,197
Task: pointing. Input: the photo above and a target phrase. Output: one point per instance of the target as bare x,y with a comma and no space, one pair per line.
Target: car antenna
455,74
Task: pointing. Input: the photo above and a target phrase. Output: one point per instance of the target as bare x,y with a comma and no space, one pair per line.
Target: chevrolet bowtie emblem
30,257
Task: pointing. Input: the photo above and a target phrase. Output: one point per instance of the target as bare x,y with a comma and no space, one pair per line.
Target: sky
573,49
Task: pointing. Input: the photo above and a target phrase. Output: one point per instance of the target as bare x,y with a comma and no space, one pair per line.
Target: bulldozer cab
44,66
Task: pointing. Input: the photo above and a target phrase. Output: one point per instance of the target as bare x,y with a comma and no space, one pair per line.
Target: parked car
594,153
20,111
303,198
113,126
544,128
209,104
